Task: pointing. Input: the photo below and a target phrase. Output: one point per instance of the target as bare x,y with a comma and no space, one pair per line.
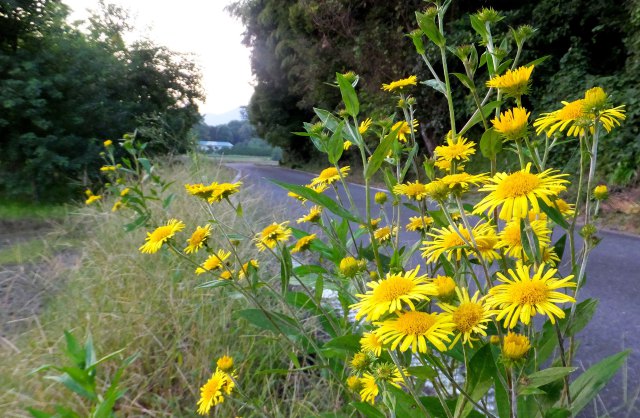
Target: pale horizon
203,29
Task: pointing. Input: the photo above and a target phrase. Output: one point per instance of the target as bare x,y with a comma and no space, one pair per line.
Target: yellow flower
105,168
271,235
212,393
515,346
447,241
371,342
445,287
303,243
512,123
354,383
245,268
601,192
572,114
437,190
330,175
349,266
385,372
460,182
380,198
513,83
511,237
312,216
226,275
404,129
595,99
92,199
318,188
522,296
116,206
161,235
347,144
225,363
222,191
383,235
565,208
470,317
413,329
414,191
214,262
125,192
400,84
519,192
459,151
362,360
107,143
445,165
364,126
370,389
390,294
198,239
419,223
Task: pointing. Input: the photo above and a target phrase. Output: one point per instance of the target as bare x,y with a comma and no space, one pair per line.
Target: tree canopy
64,90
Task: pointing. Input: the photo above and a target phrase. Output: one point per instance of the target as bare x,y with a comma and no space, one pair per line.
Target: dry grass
148,304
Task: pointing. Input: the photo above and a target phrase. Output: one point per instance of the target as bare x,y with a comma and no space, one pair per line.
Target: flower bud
380,198
601,192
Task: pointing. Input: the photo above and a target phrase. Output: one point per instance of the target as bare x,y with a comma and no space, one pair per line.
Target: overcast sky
201,27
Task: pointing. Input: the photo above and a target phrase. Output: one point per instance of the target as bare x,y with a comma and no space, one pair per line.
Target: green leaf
405,406
309,269
318,199
428,26
557,413
380,153
286,266
213,284
465,80
477,116
481,371
537,379
479,27
349,96
408,163
422,372
74,350
584,389
328,119
75,386
560,245
41,414
583,314
554,214
336,145
538,61
303,301
490,143
369,411
436,85
349,343
271,321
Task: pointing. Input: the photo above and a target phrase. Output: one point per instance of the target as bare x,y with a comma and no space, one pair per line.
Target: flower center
517,184
445,284
467,316
511,235
161,233
572,111
392,288
328,173
454,240
270,232
415,323
528,292
415,189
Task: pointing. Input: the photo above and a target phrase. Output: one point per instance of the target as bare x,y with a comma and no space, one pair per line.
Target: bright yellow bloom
404,129
460,182
460,151
513,83
92,198
161,235
370,388
565,208
364,126
107,143
380,198
400,84
510,237
414,191
271,235
330,175
470,317
212,393
438,190
601,192
515,346
198,239
116,206
445,287
354,383
572,114
523,296
447,241
303,243
362,360
222,191
384,234
371,342
419,223
392,293
413,329
125,192
244,270
445,165
349,266
512,123
105,168
519,192
312,216
347,144
225,363
226,275
214,262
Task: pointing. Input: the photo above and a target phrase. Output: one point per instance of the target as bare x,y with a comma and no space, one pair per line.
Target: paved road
613,278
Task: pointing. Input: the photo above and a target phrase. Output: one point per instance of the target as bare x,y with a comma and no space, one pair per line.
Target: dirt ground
621,212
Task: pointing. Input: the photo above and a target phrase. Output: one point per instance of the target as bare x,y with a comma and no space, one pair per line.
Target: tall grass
149,305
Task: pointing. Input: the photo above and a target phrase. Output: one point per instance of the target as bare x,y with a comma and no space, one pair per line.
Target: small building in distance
212,146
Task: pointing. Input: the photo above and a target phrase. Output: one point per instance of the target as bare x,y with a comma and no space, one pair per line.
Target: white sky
201,27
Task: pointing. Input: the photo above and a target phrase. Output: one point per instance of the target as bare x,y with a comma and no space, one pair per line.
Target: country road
613,277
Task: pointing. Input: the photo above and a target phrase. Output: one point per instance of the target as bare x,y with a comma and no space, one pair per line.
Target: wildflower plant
442,325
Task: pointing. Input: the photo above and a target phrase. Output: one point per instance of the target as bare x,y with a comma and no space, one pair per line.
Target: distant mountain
222,118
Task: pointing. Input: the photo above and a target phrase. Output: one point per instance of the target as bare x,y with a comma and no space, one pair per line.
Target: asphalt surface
613,277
